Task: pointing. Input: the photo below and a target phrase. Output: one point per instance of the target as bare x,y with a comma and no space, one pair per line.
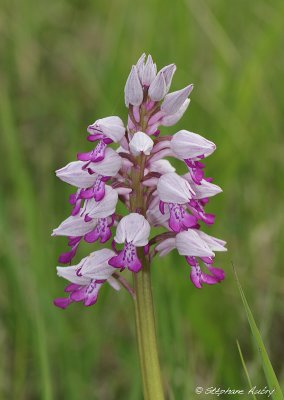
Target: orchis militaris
138,175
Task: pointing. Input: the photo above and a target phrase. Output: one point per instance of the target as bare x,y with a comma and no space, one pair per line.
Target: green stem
143,301
146,333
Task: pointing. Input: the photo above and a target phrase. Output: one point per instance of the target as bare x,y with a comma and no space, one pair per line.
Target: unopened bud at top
140,65
149,72
158,88
133,89
173,101
168,72
169,120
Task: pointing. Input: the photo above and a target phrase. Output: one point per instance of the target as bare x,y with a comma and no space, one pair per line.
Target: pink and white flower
133,230
193,244
87,278
191,147
92,222
105,131
176,193
203,191
74,226
74,174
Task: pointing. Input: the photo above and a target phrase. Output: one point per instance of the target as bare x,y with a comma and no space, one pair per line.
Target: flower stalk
146,333
143,304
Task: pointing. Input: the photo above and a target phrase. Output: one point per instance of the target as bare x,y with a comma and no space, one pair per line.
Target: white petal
163,144
103,208
112,127
96,265
172,188
151,182
170,120
114,283
73,174
123,145
74,226
213,243
165,246
113,132
141,143
123,191
109,166
168,72
149,71
161,166
166,152
112,120
133,228
189,145
154,215
158,88
140,65
133,89
189,243
70,274
173,101
205,189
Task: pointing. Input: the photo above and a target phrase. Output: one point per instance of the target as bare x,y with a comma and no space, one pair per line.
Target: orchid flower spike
135,172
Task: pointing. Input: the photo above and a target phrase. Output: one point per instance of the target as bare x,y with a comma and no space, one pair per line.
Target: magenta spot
126,258
196,170
101,231
180,219
62,302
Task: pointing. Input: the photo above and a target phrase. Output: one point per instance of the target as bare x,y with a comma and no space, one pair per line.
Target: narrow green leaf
245,368
271,378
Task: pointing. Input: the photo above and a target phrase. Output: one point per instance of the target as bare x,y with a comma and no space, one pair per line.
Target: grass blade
245,368
271,378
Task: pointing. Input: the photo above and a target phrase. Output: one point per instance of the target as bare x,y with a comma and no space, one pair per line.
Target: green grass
64,64
271,378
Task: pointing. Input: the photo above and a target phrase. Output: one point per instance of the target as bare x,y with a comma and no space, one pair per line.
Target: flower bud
133,89
173,101
149,72
140,66
141,143
169,120
168,72
158,89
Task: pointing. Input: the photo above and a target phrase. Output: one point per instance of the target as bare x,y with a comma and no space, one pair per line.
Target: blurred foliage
64,64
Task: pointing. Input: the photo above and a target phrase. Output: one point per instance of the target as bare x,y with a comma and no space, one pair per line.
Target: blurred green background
64,64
